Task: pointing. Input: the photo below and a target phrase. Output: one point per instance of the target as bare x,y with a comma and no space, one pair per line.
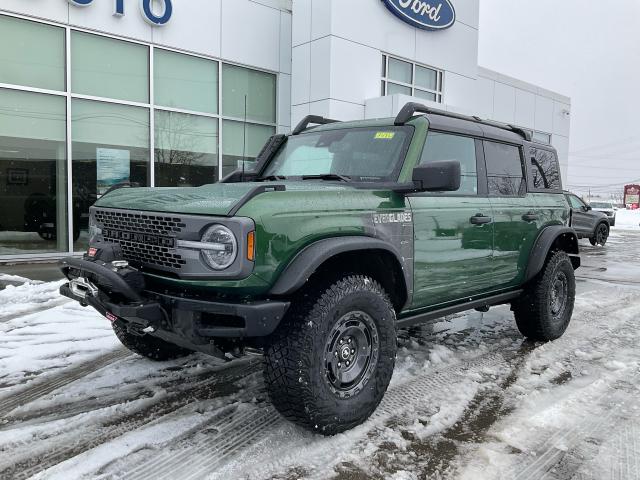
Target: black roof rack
311,119
411,108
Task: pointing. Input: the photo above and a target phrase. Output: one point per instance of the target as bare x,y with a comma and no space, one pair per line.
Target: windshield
356,154
600,205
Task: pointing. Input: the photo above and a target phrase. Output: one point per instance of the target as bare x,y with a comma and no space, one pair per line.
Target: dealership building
181,92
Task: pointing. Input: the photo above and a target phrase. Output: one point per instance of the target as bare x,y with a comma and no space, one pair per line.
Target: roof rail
311,119
411,108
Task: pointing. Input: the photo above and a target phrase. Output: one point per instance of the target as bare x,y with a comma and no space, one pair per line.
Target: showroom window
110,147
408,78
137,114
109,68
186,149
31,54
185,82
241,143
33,173
258,88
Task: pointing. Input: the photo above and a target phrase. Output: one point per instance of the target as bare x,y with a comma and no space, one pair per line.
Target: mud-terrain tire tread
531,309
150,347
291,378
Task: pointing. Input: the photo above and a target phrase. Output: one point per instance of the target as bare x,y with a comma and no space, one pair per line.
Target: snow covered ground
628,220
470,399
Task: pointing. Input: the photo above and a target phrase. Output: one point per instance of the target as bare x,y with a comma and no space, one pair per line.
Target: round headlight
226,245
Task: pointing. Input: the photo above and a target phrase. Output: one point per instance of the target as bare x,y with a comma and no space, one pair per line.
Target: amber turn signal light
251,246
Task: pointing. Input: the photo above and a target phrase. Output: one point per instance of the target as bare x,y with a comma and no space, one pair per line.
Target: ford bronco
341,234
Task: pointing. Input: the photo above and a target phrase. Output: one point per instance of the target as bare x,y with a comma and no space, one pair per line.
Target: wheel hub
351,353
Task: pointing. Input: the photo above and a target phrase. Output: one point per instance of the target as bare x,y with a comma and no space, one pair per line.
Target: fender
307,261
549,236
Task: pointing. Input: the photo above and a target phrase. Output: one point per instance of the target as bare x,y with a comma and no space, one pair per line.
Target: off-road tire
151,347
296,370
600,235
534,310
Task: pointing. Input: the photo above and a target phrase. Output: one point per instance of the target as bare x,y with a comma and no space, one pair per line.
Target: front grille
144,239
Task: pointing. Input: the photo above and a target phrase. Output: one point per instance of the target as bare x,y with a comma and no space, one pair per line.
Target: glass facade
129,112
33,173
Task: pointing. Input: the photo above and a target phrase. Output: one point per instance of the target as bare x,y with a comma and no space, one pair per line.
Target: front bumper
196,321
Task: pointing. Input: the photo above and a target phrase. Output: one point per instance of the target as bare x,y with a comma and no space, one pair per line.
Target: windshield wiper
272,178
327,176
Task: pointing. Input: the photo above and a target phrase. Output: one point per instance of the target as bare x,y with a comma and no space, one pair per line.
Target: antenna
244,137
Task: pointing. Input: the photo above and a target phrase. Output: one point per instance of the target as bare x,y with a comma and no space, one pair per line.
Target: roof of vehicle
413,113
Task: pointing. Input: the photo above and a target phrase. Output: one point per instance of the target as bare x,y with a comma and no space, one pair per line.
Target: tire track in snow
38,309
400,398
553,449
123,424
56,381
199,460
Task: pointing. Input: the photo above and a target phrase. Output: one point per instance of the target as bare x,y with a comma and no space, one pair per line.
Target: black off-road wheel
151,347
544,310
330,361
600,235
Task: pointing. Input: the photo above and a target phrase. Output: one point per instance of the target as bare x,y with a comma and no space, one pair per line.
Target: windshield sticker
385,135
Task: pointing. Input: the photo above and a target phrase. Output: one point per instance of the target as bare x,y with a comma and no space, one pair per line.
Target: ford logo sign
427,15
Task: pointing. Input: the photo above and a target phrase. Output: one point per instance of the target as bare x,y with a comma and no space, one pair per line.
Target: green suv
341,234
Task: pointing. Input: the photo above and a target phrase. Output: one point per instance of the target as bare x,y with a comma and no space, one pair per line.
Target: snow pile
28,297
5,277
628,220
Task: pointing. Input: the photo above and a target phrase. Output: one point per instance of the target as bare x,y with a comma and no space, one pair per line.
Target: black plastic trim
311,119
410,109
116,281
543,244
308,260
461,307
258,190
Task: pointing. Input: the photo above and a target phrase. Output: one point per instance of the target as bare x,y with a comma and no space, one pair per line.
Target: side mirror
587,208
443,176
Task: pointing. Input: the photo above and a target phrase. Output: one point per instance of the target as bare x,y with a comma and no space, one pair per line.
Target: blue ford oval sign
427,15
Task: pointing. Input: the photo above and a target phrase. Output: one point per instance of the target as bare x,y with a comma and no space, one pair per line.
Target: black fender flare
307,261
543,244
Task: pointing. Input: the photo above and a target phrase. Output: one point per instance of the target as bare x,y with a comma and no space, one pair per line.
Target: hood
214,199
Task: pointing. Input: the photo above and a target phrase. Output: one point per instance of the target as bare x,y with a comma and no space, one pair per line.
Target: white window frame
438,92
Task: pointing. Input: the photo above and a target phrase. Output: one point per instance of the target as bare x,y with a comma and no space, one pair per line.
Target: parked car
343,233
587,222
608,209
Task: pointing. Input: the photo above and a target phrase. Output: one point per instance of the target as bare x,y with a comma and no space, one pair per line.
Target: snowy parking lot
470,398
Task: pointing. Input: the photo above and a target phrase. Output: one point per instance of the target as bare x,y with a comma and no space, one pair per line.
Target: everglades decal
396,217
427,15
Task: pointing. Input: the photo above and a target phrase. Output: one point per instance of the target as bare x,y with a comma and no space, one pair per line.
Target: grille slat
158,231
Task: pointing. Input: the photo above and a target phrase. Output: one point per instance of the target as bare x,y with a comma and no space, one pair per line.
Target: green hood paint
215,199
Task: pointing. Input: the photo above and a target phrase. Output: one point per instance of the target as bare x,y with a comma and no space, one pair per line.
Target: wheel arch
350,254
552,238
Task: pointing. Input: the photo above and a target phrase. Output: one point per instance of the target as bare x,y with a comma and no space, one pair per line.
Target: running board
442,312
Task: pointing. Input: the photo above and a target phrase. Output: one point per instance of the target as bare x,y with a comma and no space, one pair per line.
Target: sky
585,49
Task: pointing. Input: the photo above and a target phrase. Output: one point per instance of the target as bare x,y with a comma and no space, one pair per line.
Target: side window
545,171
505,175
575,202
445,146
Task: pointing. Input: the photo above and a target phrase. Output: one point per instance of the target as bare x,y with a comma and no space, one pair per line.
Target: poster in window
113,166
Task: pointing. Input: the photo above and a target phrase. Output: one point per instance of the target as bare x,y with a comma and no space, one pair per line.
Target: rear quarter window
544,170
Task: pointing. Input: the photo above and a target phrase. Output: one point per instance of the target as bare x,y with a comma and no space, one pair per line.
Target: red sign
632,195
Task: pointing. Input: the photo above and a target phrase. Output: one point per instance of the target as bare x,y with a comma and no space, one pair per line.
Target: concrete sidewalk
45,272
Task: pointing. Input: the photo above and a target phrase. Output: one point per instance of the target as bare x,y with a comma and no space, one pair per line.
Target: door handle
530,217
480,219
